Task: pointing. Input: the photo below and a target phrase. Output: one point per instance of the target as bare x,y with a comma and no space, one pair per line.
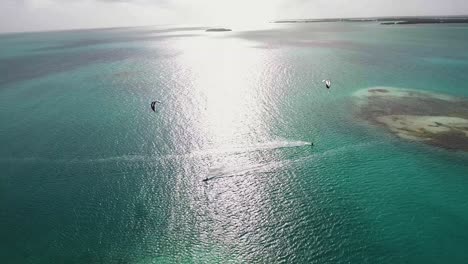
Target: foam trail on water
226,172
227,149
257,147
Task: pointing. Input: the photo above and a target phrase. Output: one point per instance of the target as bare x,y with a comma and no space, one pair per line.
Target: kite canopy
153,105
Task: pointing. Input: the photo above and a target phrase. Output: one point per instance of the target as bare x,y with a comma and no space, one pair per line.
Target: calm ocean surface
89,174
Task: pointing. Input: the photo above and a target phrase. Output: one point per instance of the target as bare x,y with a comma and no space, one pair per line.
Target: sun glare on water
227,96
223,73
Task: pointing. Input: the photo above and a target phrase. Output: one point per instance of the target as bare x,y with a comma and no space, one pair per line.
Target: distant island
409,21
218,29
388,20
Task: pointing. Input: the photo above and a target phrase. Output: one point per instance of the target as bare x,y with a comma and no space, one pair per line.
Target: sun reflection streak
223,90
223,72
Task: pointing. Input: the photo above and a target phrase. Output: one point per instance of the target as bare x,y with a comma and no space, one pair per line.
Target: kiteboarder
327,83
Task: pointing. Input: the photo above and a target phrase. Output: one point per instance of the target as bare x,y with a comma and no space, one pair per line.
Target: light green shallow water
89,174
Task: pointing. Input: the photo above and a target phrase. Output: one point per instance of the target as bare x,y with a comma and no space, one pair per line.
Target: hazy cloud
360,8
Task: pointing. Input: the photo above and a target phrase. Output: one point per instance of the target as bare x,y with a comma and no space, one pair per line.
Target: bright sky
33,15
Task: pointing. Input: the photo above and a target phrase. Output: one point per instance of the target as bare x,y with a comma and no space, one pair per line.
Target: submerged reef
435,119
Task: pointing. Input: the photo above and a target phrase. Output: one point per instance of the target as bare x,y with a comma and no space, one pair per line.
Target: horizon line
194,24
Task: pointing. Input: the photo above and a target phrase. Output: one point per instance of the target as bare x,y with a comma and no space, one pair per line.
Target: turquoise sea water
89,174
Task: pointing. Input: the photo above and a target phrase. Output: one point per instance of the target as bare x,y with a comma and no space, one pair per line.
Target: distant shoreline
218,29
388,20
